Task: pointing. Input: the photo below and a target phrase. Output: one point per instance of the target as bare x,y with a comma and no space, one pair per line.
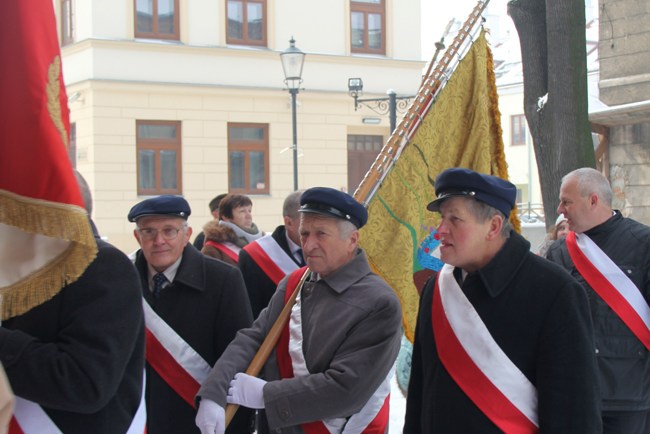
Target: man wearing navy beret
504,339
194,306
330,370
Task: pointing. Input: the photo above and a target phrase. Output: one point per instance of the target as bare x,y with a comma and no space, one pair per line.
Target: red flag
46,240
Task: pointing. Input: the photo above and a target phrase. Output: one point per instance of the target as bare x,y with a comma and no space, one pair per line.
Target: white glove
246,390
210,417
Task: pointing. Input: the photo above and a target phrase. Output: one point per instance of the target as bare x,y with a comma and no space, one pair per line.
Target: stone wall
630,170
624,51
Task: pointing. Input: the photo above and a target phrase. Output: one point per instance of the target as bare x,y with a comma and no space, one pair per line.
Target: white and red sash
172,358
373,417
477,364
271,258
30,418
229,249
611,284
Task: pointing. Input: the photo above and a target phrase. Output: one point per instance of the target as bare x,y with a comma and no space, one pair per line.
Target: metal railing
530,212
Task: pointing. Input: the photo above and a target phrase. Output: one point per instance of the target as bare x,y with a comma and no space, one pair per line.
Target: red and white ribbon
476,362
173,359
271,258
231,250
611,284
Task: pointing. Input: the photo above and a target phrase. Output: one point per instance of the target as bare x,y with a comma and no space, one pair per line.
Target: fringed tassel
55,220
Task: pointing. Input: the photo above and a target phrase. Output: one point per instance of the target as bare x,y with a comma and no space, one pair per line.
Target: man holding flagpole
331,369
610,256
503,341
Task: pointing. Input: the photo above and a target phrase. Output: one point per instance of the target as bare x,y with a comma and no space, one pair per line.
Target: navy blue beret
494,191
165,205
333,203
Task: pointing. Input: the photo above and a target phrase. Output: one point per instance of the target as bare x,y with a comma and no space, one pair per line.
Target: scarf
244,236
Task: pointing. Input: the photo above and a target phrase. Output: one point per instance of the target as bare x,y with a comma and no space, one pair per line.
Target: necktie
159,280
300,258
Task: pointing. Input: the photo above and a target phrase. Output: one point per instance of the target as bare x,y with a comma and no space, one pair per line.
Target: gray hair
292,204
482,212
591,181
345,228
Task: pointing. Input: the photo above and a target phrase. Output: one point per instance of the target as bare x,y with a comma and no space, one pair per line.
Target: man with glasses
193,307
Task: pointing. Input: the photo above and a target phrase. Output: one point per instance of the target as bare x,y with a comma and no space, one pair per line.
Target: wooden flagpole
269,343
431,86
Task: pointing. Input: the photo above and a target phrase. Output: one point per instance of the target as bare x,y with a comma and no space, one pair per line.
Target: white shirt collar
170,272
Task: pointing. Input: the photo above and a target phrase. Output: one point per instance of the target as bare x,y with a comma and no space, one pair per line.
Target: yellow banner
461,129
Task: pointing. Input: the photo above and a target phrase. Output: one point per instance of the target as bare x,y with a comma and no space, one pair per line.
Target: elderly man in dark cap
330,370
503,341
194,306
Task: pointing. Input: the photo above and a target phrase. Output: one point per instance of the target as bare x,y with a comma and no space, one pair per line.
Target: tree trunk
554,62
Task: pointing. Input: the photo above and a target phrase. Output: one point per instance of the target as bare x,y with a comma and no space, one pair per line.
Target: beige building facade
188,97
145,105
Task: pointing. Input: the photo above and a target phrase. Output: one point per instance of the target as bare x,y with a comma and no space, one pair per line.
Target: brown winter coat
220,234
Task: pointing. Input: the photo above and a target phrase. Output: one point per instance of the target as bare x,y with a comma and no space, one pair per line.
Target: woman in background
225,237
559,231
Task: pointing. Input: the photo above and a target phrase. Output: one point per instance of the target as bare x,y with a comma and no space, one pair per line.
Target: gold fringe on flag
58,221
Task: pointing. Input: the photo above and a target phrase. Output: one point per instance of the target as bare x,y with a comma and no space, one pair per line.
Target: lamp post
385,105
292,61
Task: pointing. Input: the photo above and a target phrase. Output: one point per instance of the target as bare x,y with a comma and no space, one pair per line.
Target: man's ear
354,239
496,224
137,238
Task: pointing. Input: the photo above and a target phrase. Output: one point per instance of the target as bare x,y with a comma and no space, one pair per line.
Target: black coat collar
191,272
500,271
606,227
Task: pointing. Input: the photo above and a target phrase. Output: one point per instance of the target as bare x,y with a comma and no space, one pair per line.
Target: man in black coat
503,341
194,307
622,250
80,355
264,262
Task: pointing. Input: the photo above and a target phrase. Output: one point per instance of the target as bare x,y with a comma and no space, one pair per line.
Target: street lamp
292,60
382,105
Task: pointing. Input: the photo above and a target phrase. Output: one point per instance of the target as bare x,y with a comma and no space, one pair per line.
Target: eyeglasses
168,233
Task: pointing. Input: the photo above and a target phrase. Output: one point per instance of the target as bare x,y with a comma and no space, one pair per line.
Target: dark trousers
626,422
